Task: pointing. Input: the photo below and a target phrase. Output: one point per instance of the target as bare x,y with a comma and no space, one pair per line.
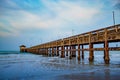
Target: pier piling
75,43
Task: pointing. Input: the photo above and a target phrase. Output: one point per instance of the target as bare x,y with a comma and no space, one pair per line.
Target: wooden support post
37,51
66,50
106,50
91,54
46,51
106,53
49,52
57,51
62,52
78,52
73,51
70,56
33,50
82,52
53,51
41,51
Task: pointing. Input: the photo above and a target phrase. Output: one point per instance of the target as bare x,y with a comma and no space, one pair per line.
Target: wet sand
95,75
37,67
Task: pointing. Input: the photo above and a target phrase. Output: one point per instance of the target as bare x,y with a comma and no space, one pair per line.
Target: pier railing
75,43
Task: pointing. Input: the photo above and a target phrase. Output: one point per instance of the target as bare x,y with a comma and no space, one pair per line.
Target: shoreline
106,74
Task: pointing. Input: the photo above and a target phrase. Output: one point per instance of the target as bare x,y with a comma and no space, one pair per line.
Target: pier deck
76,43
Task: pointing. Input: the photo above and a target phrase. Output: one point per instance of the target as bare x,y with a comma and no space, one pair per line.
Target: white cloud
57,15
11,3
6,30
66,11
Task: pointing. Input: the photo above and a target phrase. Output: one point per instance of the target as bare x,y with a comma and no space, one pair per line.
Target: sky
32,22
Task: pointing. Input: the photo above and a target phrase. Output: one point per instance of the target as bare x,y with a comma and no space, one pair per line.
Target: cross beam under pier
76,43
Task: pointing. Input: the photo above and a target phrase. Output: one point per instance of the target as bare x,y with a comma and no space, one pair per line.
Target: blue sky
31,22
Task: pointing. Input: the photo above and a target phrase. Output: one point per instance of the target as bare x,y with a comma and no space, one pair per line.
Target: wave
9,52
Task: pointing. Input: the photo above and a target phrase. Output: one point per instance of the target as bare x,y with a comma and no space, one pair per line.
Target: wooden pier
75,44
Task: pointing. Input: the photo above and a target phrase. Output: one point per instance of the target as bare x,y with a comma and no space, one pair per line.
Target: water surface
27,66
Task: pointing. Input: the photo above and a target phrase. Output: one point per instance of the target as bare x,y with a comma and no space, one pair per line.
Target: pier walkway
75,44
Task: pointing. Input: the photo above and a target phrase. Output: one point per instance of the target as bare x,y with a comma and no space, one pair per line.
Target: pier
69,46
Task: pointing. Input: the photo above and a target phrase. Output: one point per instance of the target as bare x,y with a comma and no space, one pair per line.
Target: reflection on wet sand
37,67
93,75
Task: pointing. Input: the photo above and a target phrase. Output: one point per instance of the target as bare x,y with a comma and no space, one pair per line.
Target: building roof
22,46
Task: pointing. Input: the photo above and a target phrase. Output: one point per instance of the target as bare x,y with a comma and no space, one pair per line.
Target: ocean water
26,66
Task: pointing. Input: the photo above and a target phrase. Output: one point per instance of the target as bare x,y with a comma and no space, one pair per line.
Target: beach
27,66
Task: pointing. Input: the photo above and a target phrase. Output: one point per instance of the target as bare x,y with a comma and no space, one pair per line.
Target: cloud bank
54,15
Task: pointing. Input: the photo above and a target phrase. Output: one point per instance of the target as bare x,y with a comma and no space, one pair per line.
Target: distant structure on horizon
23,48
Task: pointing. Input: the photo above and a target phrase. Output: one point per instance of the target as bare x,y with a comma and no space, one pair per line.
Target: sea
27,66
